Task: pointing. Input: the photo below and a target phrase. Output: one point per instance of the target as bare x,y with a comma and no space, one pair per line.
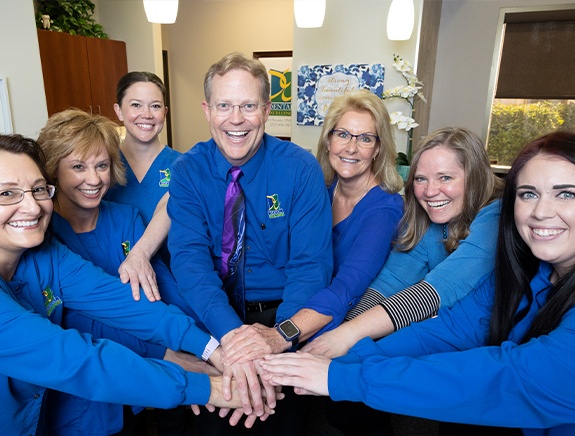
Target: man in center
278,225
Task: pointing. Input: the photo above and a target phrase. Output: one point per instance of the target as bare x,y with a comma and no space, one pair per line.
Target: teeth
89,191
238,134
23,223
437,203
145,126
547,232
349,160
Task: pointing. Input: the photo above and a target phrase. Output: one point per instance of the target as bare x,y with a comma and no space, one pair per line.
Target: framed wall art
279,67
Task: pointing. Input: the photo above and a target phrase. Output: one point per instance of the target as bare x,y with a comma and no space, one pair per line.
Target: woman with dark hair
39,278
141,106
450,222
504,355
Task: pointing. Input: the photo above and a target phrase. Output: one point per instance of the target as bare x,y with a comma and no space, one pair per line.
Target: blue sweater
36,353
361,245
288,253
453,275
441,369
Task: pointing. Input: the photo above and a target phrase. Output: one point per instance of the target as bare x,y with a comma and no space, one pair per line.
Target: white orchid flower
402,122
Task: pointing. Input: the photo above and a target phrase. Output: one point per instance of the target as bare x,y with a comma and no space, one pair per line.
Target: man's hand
331,344
137,270
250,342
190,362
305,372
245,376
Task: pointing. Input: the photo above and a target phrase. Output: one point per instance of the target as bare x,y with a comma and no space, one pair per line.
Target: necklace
362,195
444,231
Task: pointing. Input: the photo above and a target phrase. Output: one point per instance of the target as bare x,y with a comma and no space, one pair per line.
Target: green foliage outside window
514,125
69,16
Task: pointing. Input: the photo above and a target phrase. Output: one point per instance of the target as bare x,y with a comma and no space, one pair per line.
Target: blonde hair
383,166
237,61
74,130
481,186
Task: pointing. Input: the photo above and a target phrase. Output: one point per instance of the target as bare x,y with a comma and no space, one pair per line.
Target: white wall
464,61
206,30
354,31
20,65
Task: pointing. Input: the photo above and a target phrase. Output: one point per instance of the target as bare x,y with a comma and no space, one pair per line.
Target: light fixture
309,13
400,20
161,11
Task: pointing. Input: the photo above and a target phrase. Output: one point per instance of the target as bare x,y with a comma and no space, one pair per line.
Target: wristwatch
289,331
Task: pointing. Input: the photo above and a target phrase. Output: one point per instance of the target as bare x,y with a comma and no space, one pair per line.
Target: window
535,85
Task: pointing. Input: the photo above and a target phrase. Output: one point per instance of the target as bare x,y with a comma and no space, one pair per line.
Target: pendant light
309,13
400,20
161,11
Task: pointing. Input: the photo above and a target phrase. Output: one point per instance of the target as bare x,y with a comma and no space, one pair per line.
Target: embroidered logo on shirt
125,247
165,180
274,208
50,300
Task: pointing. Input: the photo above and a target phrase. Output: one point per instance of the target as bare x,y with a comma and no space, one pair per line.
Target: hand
245,375
137,270
305,372
237,415
190,362
331,344
216,359
250,342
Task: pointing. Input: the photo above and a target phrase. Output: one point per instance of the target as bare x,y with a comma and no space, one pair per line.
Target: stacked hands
248,369
254,370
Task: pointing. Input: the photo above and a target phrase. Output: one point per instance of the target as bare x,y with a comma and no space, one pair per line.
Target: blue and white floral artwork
318,85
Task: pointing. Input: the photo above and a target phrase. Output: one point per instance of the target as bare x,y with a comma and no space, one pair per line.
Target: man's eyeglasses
343,137
227,108
12,196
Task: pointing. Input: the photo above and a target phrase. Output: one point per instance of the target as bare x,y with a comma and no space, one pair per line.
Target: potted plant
407,92
69,16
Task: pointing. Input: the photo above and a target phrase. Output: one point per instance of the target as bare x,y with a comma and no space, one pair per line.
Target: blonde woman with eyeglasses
357,156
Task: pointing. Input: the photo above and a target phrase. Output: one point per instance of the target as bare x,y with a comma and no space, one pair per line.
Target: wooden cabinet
81,72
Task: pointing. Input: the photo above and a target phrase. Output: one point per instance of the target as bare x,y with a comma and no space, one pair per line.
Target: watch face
289,329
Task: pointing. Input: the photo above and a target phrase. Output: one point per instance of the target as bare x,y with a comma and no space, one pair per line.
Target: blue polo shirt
288,252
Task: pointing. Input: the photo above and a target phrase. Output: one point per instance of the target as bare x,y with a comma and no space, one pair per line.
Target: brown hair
132,77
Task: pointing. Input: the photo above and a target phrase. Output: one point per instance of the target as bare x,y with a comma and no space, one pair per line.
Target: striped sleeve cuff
413,304
369,299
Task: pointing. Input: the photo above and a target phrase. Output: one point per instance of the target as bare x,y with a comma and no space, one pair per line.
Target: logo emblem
51,301
165,180
274,207
125,247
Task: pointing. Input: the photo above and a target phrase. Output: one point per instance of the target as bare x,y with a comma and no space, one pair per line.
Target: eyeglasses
227,109
343,137
12,196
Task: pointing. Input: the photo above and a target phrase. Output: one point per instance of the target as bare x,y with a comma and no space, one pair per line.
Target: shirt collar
249,169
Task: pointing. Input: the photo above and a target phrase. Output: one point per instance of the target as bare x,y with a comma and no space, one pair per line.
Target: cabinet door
108,62
65,70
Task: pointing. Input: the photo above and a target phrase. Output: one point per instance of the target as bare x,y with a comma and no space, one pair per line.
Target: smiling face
24,224
545,210
83,182
238,136
350,161
439,184
143,112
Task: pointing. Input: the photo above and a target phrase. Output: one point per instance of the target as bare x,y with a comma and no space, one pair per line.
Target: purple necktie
232,271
